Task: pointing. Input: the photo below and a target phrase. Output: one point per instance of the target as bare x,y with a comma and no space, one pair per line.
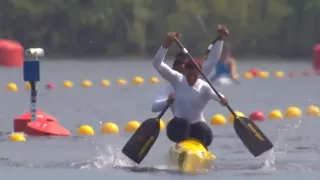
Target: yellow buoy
110,128
279,74
86,83
67,84
293,112
121,81
85,130
248,75
162,125
263,74
154,80
12,87
105,82
27,86
275,115
313,111
218,119
132,126
19,137
137,80
238,113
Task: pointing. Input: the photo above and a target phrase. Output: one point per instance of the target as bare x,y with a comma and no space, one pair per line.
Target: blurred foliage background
287,28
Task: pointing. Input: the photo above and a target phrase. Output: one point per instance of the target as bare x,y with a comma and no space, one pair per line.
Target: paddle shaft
170,101
204,76
33,100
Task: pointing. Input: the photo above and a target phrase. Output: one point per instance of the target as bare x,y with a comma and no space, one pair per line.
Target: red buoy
292,74
50,86
257,116
316,57
11,53
306,73
44,125
254,71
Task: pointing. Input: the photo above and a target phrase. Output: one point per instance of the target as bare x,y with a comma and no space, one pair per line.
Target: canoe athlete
212,56
226,66
192,94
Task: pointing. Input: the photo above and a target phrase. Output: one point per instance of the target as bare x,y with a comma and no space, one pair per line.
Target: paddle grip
165,109
204,76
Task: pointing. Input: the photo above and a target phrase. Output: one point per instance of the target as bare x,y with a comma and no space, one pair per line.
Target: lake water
297,146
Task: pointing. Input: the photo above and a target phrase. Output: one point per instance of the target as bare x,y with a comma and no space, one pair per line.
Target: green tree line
124,27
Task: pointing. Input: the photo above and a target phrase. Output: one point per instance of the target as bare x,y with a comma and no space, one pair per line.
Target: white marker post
31,74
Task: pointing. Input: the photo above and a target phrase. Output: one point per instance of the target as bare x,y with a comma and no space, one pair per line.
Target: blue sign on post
31,71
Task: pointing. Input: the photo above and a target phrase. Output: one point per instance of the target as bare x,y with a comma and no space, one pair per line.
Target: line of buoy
138,80
291,112
13,87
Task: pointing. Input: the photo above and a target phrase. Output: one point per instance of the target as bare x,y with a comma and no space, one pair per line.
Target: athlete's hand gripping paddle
143,139
249,133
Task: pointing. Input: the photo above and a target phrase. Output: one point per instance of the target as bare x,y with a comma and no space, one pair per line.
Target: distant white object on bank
35,52
224,80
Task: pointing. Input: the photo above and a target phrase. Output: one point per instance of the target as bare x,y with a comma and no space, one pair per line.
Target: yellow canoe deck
191,156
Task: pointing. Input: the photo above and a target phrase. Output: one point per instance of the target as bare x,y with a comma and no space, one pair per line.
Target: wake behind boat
190,156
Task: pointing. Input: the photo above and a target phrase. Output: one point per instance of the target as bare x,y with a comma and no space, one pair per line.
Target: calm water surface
297,148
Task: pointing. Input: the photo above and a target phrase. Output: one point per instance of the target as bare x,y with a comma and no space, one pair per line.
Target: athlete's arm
159,104
161,101
164,70
233,68
214,53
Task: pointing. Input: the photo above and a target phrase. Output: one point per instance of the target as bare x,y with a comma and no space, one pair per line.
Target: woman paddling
192,94
212,56
226,66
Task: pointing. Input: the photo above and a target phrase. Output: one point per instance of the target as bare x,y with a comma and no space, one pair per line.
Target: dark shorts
180,129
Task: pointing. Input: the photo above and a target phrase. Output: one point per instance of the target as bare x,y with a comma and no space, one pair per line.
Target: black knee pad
178,130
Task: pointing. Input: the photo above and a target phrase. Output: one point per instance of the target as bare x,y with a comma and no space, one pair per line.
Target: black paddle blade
251,136
142,140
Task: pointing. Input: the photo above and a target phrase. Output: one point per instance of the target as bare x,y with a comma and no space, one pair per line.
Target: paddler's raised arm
213,57
164,70
214,50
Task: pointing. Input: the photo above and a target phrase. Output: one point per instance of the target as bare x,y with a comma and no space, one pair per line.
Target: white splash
280,146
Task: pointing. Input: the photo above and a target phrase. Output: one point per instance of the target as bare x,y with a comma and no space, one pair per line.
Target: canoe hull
191,156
